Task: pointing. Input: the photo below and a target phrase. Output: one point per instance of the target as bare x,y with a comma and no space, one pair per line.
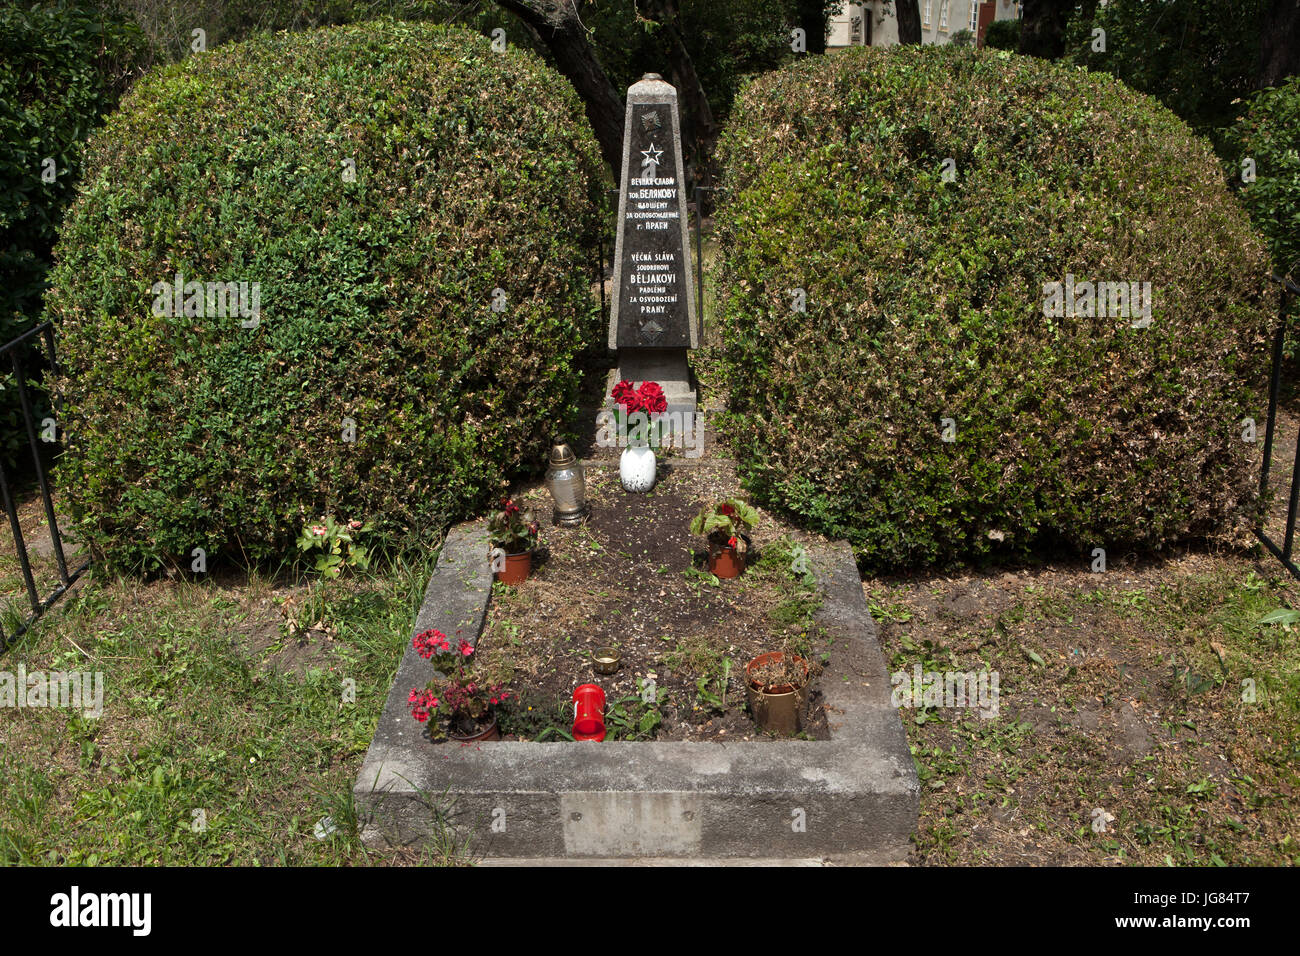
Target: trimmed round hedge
418,213
925,309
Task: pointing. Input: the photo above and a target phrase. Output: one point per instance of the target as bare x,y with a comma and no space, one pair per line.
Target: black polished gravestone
652,319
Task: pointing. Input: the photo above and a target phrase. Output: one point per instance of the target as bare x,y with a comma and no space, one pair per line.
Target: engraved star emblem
651,155
650,121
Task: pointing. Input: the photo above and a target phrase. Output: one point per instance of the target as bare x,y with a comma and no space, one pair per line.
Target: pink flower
354,525
318,530
421,703
466,648
429,642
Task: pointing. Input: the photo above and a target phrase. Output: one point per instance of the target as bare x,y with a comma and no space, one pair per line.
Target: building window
926,22
943,14
975,16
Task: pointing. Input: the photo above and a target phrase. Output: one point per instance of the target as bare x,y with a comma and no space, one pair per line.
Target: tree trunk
909,20
812,18
557,24
1042,27
1279,55
699,129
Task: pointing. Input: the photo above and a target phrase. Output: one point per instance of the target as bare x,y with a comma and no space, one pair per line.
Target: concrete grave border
856,794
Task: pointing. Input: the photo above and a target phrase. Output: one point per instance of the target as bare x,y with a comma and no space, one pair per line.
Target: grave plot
844,788
634,580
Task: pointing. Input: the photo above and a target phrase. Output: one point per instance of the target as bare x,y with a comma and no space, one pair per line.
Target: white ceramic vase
636,468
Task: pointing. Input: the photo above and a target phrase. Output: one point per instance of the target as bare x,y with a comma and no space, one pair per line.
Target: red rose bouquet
639,408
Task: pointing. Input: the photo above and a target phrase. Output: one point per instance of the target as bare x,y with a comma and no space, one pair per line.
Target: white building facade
875,22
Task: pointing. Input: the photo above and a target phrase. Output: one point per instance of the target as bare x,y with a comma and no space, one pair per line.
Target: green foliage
925,302
1269,133
334,546
726,40
62,67
1197,59
724,520
513,529
1002,35
634,717
474,171
169,24
962,38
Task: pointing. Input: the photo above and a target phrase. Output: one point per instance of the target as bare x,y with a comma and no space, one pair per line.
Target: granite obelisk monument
653,322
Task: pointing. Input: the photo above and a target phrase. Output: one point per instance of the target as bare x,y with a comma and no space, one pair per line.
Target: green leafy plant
633,717
334,546
1199,66
1283,615
513,529
724,522
711,689
62,68
1002,35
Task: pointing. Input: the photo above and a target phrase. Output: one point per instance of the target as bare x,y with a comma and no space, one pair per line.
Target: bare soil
635,579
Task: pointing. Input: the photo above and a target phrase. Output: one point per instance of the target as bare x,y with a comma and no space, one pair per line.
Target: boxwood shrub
914,202
416,212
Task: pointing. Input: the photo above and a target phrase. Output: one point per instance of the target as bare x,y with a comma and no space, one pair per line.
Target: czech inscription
654,279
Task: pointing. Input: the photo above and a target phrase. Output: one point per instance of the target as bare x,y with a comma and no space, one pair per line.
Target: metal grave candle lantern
566,480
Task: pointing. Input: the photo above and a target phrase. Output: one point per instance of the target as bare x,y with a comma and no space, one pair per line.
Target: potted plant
638,408
724,526
776,686
512,533
457,703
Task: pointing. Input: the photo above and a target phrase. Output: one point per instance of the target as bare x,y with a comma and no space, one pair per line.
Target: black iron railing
18,351
1283,552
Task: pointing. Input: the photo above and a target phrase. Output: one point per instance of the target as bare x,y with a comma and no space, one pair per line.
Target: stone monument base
668,367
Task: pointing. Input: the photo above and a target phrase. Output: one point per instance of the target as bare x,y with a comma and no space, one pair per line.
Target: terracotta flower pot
518,567
488,732
726,561
778,707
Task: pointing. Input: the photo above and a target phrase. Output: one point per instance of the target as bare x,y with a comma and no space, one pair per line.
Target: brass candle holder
606,660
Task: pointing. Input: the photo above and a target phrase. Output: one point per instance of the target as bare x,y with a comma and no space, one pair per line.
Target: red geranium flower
429,643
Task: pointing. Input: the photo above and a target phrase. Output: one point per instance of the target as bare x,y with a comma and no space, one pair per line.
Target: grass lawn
225,736
1127,691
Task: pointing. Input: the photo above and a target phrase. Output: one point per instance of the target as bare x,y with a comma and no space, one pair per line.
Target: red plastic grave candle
589,713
